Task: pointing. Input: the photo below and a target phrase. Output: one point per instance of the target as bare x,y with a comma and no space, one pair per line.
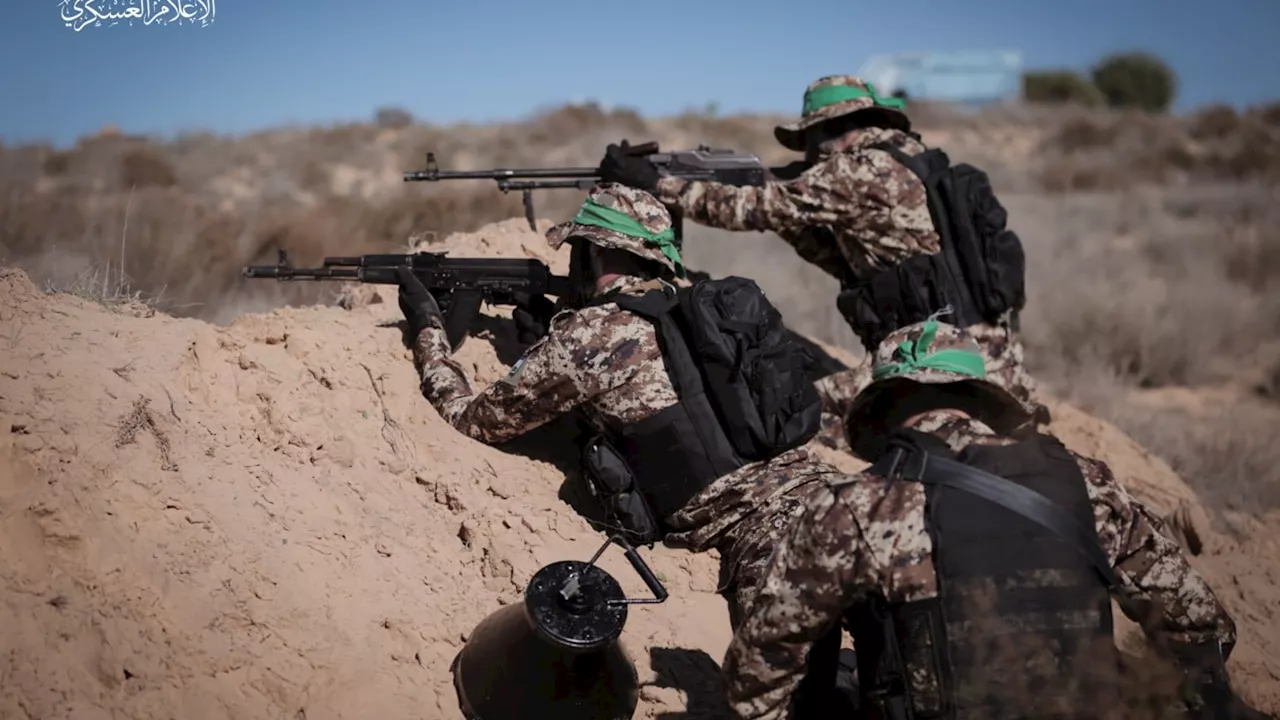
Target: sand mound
266,520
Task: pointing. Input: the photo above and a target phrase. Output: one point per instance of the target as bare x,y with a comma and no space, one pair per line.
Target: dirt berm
266,520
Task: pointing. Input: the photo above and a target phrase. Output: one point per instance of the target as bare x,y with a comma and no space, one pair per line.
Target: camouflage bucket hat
935,353
623,218
831,97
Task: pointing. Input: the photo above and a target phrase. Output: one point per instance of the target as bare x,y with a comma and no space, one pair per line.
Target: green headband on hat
916,357
597,215
821,97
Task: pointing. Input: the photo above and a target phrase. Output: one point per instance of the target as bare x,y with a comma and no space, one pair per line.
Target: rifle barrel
580,184
500,174
289,273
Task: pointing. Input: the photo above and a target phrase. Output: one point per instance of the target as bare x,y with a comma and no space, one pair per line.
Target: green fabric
916,357
596,215
831,94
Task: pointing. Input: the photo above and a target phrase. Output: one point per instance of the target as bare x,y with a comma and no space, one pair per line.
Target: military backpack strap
656,306
935,469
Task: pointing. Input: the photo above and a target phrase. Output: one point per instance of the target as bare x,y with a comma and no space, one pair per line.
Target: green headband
597,215
916,357
821,97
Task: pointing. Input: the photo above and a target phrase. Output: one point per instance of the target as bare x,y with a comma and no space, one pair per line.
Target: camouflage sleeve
822,195
544,384
1152,567
806,588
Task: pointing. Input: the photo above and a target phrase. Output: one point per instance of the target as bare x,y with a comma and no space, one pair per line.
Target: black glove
619,167
532,316
419,307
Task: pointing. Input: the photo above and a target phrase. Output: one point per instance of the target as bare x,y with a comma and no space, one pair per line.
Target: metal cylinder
556,655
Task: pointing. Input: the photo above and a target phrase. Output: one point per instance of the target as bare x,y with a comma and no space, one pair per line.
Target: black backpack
980,271
754,373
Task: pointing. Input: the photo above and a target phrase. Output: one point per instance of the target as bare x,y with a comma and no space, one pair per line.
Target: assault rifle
703,163
459,285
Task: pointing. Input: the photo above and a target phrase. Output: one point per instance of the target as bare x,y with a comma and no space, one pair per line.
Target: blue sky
269,62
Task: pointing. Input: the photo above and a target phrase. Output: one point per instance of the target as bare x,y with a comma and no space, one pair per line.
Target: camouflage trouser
1006,368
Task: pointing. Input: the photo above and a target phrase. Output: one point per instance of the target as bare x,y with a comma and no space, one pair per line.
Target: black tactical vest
744,392
1022,626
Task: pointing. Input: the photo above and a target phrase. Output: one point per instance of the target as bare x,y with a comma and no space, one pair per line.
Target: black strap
683,369
938,470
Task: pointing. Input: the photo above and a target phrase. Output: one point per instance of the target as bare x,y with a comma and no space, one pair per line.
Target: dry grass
1152,241
1163,290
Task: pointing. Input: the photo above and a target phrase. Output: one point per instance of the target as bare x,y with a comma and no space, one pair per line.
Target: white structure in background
974,77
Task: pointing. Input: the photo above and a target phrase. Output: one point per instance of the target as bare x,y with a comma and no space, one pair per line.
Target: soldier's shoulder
876,498
1096,472
597,325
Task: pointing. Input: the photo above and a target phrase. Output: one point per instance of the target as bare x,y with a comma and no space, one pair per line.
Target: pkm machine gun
730,167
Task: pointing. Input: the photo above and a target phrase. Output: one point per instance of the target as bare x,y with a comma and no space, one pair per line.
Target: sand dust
266,520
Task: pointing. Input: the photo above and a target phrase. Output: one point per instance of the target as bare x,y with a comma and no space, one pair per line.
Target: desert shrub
342,138
1081,133
1268,114
1136,80
391,223
314,177
1213,123
1228,456
142,167
1251,256
1254,154
1162,159
1123,285
1069,175
392,117
1269,387
57,162
1060,87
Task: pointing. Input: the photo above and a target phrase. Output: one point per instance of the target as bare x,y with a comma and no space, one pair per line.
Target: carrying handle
642,569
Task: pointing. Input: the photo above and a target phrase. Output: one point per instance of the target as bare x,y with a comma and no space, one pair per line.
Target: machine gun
703,163
459,285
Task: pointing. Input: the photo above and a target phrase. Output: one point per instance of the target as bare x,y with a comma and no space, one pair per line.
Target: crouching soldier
974,565
700,398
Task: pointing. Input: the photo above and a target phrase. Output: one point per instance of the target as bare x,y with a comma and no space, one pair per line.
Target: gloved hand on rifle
420,308
532,315
618,166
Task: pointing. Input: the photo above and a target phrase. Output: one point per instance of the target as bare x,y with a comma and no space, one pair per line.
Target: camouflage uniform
875,208
868,535
607,361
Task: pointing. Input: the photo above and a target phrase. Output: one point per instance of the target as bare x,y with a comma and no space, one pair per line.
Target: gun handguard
459,285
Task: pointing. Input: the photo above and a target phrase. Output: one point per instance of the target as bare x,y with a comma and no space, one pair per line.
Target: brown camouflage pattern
608,362
791,135
875,208
638,204
866,535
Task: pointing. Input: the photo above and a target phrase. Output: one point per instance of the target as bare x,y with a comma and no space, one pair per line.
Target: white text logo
80,14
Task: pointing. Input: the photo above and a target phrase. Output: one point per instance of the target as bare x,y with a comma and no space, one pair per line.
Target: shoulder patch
513,377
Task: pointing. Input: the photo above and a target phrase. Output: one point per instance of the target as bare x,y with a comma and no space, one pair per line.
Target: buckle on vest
908,462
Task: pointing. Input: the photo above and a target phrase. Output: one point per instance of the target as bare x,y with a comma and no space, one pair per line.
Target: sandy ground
266,520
